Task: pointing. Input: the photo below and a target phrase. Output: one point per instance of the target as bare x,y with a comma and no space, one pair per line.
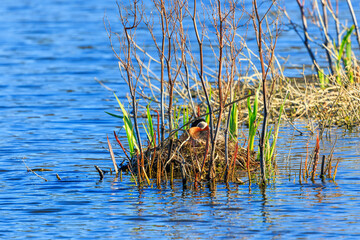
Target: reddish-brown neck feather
195,131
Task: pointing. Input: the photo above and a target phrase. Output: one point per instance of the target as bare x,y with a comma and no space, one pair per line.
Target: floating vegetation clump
178,83
184,89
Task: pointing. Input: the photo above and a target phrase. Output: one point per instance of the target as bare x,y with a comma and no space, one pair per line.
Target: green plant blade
150,125
234,122
114,115
128,128
345,41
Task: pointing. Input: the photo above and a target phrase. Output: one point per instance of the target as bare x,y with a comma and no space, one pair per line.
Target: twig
322,167
122,147
300,175
30,170
101,173
201,72
306,34
102,84
112,156
257,23
316,157
354,20
335,171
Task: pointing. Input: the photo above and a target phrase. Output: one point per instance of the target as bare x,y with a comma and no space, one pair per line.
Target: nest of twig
190,160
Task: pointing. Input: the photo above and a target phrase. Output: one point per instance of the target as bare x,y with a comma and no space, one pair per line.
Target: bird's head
197,127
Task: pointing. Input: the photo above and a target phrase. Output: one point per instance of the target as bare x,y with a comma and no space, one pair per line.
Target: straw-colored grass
334,105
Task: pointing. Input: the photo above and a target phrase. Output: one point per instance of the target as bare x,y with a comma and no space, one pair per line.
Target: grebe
198,132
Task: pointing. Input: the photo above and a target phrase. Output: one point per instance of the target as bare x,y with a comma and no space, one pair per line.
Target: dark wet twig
257,24
58,177
330,158
306,34
322,167
227,146
234,160
101,173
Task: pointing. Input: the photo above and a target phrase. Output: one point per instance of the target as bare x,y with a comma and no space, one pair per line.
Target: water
52,117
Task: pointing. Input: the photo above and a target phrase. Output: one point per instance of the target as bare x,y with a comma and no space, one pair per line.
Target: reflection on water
80,205
52,113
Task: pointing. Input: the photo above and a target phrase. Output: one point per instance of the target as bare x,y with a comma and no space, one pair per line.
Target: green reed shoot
345,45
176,119
207,118
324,80
233,126
185,117
149,129
276,131
253,123
348,62
128,128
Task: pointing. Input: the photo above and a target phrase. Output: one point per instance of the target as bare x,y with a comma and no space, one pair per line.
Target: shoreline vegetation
164,59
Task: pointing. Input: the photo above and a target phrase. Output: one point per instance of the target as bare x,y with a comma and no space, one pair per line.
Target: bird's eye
202,125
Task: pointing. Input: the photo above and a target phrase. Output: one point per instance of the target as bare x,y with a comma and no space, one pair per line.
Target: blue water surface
53,117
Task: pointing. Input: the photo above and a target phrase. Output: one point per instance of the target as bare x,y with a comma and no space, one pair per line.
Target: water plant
340,68
271,146
128,126
149,128
180,78
309,170
234,122
326,36
345,45
253,121
207,117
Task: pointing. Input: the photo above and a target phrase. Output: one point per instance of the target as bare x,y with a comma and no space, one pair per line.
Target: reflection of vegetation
181,85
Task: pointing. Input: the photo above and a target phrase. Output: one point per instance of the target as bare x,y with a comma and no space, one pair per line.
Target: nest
190,160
